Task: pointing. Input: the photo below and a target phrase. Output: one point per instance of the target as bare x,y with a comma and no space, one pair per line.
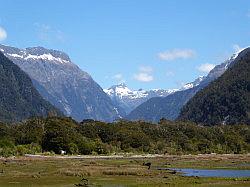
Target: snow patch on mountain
121,91
190,85
14,55
47,56
236,54
233,57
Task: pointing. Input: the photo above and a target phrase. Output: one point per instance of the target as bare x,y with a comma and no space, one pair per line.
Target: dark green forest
53,134
225,100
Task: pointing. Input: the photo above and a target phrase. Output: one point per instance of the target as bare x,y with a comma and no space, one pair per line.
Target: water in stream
213,172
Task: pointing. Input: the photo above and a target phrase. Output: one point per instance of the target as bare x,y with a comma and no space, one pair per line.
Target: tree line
53,134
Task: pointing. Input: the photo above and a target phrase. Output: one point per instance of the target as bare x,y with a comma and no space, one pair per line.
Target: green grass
127,172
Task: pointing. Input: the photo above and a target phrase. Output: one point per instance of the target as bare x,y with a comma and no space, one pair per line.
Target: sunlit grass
124,172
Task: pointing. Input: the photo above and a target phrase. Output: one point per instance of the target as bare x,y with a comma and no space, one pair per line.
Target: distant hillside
156,108
18,98
224,101
169,107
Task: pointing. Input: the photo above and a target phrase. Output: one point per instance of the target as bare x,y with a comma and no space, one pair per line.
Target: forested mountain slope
224,101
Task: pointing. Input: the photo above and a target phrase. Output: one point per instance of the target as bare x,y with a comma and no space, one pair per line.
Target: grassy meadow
118,172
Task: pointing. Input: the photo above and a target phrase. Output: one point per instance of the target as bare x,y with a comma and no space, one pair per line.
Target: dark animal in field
84,182
147,164
173,172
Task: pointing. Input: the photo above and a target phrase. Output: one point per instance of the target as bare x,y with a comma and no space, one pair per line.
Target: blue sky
147,44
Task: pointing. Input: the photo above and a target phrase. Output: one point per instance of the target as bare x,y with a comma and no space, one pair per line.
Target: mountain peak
35,53
122,85
236,54
38,51
128,99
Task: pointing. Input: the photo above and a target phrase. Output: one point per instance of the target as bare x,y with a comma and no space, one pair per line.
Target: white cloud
144,74
3,34
206,68
49,34
176,54
143,77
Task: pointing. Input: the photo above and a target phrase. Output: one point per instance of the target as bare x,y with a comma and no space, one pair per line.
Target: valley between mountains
50,107
73,91
119,93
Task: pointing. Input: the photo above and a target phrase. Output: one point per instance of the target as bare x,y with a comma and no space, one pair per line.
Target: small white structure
63,152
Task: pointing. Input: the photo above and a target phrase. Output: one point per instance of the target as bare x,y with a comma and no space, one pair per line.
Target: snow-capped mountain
63,83
170,106
122,91
129,99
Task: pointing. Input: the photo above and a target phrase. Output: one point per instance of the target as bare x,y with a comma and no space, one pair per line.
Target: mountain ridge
129,99
63,83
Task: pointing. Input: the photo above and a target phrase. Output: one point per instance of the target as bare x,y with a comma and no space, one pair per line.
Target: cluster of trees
54,134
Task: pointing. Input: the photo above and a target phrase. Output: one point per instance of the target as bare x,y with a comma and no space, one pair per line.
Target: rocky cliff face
63,83
19,99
